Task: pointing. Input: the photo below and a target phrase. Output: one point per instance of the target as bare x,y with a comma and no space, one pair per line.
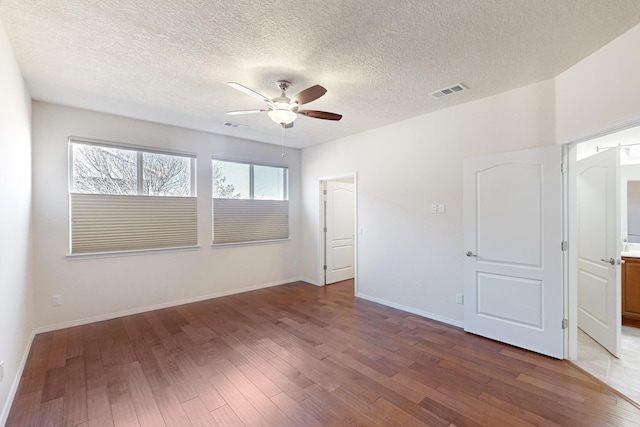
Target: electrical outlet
56,300
441,208
459,299
434,208
1,370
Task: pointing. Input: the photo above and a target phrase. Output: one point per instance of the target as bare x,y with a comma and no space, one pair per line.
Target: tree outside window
110,170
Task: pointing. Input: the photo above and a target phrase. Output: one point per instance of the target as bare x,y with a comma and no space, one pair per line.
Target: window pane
102,170
268,183
166,175
230,180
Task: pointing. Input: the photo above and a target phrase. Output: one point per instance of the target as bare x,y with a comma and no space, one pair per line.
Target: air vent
448,90
235,125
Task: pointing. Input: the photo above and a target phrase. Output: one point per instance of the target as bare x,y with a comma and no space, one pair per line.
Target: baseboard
428,315
311,281
16,382
130,312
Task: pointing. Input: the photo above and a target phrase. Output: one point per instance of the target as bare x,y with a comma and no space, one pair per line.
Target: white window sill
260,242
74,257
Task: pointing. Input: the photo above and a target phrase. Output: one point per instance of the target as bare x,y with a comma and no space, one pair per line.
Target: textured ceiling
168,60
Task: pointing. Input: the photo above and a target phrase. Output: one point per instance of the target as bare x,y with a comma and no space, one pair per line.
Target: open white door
513,282
599,293
339,231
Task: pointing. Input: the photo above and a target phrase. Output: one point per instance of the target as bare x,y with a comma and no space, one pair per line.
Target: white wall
600,91
408,257
15,220
106,285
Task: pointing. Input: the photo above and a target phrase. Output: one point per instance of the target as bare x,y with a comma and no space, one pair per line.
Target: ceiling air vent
448,90
235,125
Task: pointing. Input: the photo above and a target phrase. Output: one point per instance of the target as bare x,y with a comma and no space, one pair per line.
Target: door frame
321,234
571,218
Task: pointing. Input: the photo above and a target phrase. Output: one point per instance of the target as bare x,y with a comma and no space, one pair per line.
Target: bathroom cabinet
631,292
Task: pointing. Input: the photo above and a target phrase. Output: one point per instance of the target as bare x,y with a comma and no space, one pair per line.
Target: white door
599,293
513,278
339,231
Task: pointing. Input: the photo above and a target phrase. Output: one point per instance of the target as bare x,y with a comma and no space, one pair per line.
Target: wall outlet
441,208
1,370
434,208
459,299
56,300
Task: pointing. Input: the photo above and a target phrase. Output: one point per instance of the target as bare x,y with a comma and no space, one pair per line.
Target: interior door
513,241
339,231
599,272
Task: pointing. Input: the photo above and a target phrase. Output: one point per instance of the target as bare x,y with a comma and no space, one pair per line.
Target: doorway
338,229
620,372
494,308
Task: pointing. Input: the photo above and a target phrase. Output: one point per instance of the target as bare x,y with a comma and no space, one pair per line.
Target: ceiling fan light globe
282,116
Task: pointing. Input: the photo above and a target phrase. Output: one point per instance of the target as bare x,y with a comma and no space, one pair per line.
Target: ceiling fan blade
238,112
309,94
248,91
320,114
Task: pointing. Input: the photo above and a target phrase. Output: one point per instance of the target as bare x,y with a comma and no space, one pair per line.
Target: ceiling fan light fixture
284,110
282,117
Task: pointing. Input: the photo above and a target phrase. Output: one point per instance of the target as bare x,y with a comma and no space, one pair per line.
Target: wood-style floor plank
299,355
225,416
98,407
237,401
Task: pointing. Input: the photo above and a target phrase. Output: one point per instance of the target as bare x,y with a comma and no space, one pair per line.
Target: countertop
631,254
633,250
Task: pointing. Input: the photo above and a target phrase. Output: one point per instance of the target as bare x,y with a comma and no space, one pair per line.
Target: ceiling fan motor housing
283,85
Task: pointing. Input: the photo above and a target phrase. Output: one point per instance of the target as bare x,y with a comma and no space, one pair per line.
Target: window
250,202
124,199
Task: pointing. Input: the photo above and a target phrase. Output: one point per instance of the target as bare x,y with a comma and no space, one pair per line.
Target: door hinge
324,267
565,323
324,229
564,245
563,167
324,192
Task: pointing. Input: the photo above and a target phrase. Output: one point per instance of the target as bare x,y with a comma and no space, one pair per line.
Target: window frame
139,150
285,177
251,199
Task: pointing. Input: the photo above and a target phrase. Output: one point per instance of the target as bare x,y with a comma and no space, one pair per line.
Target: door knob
610,261
469,253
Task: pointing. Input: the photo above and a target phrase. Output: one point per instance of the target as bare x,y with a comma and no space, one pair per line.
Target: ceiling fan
284,110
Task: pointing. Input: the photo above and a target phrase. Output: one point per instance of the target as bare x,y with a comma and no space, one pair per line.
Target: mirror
630,203
633,211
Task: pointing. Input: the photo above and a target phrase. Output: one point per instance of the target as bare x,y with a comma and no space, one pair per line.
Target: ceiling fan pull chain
283,129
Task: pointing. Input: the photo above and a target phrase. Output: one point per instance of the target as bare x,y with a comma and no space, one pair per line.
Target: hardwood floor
298,355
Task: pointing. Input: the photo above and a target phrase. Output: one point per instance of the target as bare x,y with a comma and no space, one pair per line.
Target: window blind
105,223
241,220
